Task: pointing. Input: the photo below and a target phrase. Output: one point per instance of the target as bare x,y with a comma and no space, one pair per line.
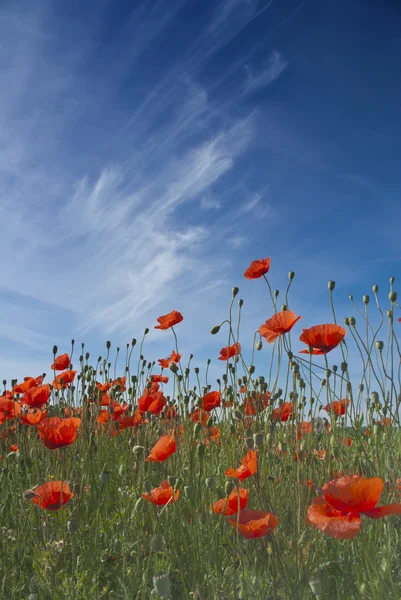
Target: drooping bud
259,345
215,329
235,291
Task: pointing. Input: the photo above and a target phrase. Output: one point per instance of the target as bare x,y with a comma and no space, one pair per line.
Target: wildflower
159,378
21,388
252,406
323,338
254,523
165,362
303,428
257,268
230,351
61,363
152,402
162,449
211,401
283,412
199,416
36,396
8,409
248,467
320,454
337,512
33,416
167,321
13,448
162,495
63,379
339,407
51,496
56,432
229,506
130,421
280,323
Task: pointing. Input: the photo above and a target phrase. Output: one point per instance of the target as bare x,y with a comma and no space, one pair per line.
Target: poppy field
273,482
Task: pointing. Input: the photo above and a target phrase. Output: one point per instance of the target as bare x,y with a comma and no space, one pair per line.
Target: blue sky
149,151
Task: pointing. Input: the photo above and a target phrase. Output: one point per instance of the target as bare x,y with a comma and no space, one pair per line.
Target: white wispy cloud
266,74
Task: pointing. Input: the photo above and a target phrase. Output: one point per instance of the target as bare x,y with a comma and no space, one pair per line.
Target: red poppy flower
230,351
175,357
338,511
283,413
229,506
167,321
61,362
62,380
280,323
8,409
21,388
339,407
319,454
13,448
254,523
211,401
257,268
159,378
252,406
248,467
162,495
162,449
56,432
303,428
323,338
52,495
36,396
152,402
199,416
214,433
120,383
130,421
33,416
103,387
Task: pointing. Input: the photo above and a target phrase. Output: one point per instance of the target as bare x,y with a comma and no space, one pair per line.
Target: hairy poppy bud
259,345
210,483
228,488
200,450
235,291
108,345
258,439
55,349
346,321
251,369
238,414
215,329
331,285
158,543
162,584
375,289
71,526
240,303
344,366
173,367
249,443
379,345
392,279
291,275
172,479
390,314
352,321
284,307
365,299
392,296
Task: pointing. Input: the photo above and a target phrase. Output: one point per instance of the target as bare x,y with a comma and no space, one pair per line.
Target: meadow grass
107,541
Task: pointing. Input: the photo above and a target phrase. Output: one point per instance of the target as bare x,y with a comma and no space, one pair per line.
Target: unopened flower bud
235,291
344,366
259,345
215,329
352,321
375,289
172,479
108,345
210,483
249,443
258,439
158,543
291,275
228,488
162,584
346,321
392,296
331,285
251,369
104,477
392,279
284,307
379,345
365,299
240,303
173,367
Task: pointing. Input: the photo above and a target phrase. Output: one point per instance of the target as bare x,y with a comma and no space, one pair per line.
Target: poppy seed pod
162,584
344,366
215,329
291,275
259,345
379,345
235,291
392,296
331,285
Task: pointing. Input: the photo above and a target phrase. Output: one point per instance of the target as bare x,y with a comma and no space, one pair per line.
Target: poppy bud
392,296
33,597
104,477
375,289
189,492
172,480
346,321
173,367
259,345
240,303
352,321
196,370
392,279
284,307
146,331
375,397
276,293
162,584
228,488
215,329
158,543
249,443
291,275
251,369
210,483
235,291
238,414
331,285
365,299
379,345
376,429
390,314
108,345
258,439
71,526
335,368
344,366
55,349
